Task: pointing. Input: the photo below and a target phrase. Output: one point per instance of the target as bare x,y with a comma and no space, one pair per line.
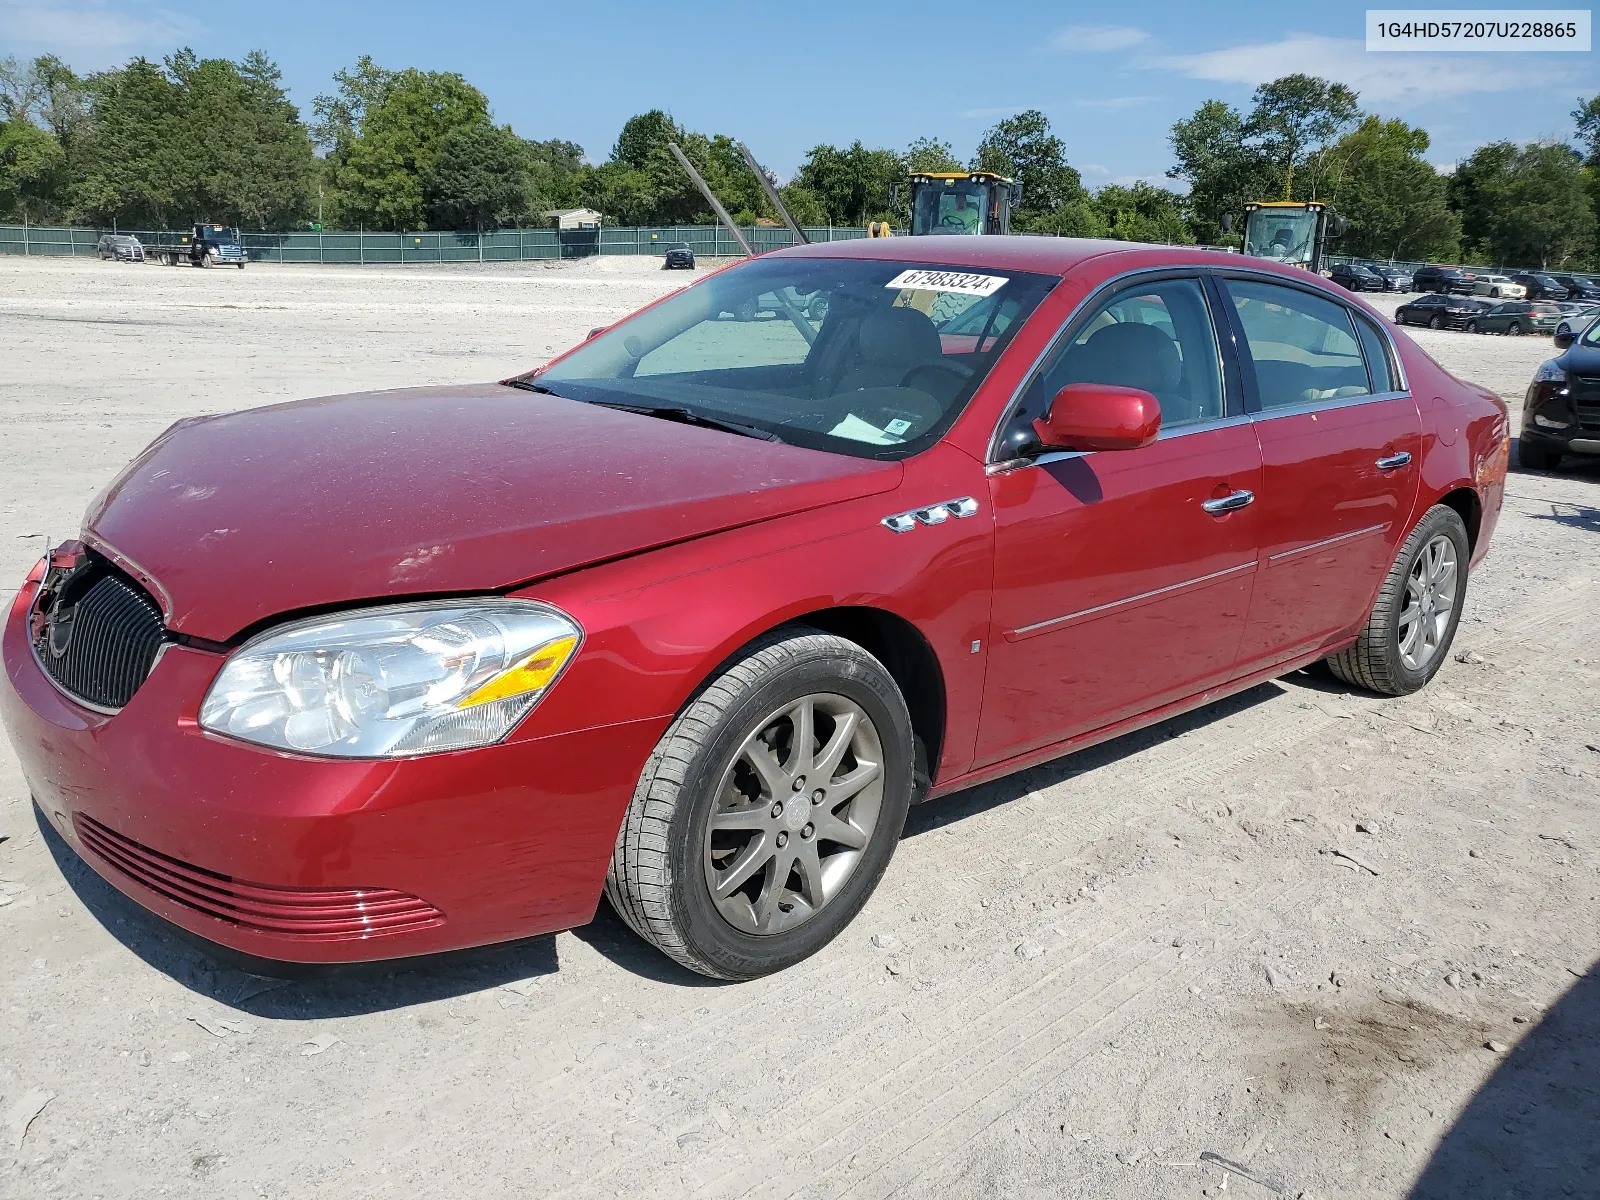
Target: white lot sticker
948,281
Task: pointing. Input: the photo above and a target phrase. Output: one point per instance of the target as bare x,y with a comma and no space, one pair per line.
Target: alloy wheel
793,814
1430,600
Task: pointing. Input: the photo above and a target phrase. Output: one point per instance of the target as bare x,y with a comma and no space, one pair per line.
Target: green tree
930,154
851,185
383,129
31,170
1396,203
1024,148
1587,118
136,167
1141,213
1525,205
479,179
1292,122
1211,157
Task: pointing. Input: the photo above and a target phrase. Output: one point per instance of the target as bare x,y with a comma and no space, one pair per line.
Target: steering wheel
961,371
951,220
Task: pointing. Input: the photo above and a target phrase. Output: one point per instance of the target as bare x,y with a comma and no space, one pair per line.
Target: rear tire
1536,458
703,803
1514,329
1378,660
1436,322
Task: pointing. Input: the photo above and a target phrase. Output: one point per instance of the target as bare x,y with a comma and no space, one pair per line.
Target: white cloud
1116,103
1098,39
1380,78
92,35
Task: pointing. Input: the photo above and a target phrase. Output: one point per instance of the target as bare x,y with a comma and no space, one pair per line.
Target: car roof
1017,252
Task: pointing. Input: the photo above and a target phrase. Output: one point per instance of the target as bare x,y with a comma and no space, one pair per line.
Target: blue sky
1112,78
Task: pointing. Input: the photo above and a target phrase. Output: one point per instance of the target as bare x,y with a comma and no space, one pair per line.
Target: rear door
1340,439
1120,583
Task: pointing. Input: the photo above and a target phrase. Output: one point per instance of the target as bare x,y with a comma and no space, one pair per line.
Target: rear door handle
1226,504
1394,462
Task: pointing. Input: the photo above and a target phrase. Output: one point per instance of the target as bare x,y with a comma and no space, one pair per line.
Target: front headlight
1550,371
393,682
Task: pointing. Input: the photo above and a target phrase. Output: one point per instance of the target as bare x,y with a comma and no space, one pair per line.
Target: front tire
1536,458
769,810
1472,327
1414,621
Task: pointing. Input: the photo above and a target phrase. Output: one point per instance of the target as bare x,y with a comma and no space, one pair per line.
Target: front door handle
1226,504
1394,462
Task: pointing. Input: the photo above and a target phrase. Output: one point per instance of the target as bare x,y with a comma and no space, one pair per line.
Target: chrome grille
100,636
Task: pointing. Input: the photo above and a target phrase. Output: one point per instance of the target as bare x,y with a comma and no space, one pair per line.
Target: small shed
575,218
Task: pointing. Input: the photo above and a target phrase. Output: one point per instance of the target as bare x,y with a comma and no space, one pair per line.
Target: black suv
1354,277
1440,311
1395,279
1578,289
1542,287
1441,279
1561,410
679,258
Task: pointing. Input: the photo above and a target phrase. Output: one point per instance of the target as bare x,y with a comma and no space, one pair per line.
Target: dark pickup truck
203,246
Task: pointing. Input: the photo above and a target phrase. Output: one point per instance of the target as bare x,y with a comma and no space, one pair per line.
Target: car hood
237,518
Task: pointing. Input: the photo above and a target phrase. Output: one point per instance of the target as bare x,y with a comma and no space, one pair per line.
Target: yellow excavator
958,201
1289,231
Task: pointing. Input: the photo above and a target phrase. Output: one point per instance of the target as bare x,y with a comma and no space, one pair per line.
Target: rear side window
1380,364
1303,346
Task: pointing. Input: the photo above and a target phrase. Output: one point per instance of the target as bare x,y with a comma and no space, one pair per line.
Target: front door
1340,442
1121,580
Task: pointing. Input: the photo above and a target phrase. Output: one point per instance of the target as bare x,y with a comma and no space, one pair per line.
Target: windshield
217,233
867,358
949,206
1285,234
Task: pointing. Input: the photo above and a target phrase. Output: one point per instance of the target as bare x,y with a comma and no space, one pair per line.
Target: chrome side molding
933,514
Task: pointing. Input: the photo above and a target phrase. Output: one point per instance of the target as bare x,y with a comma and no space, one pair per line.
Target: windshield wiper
528,386
688,416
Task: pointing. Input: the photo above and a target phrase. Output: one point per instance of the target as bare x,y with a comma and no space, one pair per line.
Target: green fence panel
495,245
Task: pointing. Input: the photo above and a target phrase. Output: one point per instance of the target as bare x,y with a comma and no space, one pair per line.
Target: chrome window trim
1039,626
1177,431
1316,406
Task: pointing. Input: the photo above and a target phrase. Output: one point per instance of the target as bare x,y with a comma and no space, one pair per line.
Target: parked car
1442,279
1497,287
1395,279
1538,286
1561,409
1355,277
1439,310
1516,317
1575,318
123,247
679,258
1579,288
693,613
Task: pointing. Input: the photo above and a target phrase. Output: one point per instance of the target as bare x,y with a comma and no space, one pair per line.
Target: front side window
1157,337
869,358
1303,346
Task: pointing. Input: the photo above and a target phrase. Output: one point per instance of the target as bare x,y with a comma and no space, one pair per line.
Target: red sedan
692,615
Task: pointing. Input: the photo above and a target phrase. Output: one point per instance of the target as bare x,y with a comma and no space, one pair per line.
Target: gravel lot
1078,981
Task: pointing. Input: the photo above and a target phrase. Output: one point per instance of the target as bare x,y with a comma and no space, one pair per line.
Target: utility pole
711,199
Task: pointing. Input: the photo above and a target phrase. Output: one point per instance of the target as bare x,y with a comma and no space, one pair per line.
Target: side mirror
1099,416
596,332
1564,340
1336,225
1226,223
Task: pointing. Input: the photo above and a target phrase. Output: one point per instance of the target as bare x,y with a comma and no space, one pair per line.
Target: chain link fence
491,245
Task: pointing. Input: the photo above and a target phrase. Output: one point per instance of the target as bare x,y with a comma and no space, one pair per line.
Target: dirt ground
1081,981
